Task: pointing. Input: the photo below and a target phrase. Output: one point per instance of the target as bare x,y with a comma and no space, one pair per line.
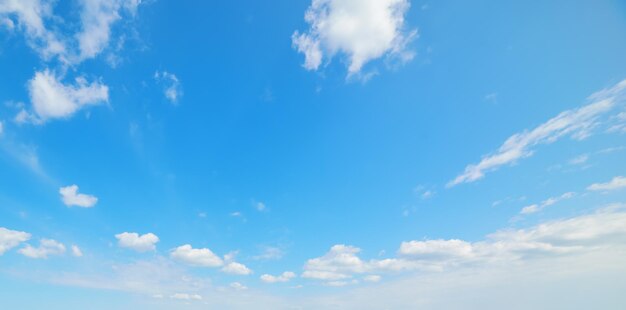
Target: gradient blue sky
379,154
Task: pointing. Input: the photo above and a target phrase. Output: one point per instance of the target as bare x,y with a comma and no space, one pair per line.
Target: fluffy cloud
546,203
171,86
143,243
616,183
284,277
576,123
575,236
46,247
236,268
71,197
11,238
196,257
360,30
337,264
51,98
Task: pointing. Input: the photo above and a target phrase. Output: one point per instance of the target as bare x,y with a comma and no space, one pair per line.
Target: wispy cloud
617,182
575,123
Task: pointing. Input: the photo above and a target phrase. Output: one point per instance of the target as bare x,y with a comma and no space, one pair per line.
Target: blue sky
340,154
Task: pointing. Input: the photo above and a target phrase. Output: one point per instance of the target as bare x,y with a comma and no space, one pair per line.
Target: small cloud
579,160
71,197
172,88
238,286
11,238
492,97
260,206
46,248
185,296
617,182
196,257
236,269
270,253
236,214
284,277
134,241
76,251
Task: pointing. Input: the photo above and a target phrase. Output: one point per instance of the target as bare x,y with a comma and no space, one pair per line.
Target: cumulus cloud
71,197
11,238
360,30
139,243
283,277
574,236
236,268
617,182
196,257
575,123
546,203
46,248
238,286
52,99
171,85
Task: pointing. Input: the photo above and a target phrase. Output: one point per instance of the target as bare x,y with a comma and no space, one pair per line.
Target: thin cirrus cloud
534,208
576,123
11,238
361,31
72,198
47,247
134,241
617,182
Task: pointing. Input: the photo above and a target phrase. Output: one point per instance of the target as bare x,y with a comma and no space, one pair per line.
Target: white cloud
76,251
579,160
236,268
284,277
362,30
30,16
337,264
238,286
11,238
1,128
46,247
97,17
372,278
617,182
143,243
269,253
574,236
185,296
71,197
546,203
196,257
260,206
51,98
575,123
172,88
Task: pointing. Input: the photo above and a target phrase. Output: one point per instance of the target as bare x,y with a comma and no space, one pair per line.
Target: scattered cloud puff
71,197
578,235
617,182
34,17
51,99
171,86
139,243
76,252
546,203
11,238
575,123
269,253
238,286
260,206
284,277
185,296
196,257
236,268
361,30
46,248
